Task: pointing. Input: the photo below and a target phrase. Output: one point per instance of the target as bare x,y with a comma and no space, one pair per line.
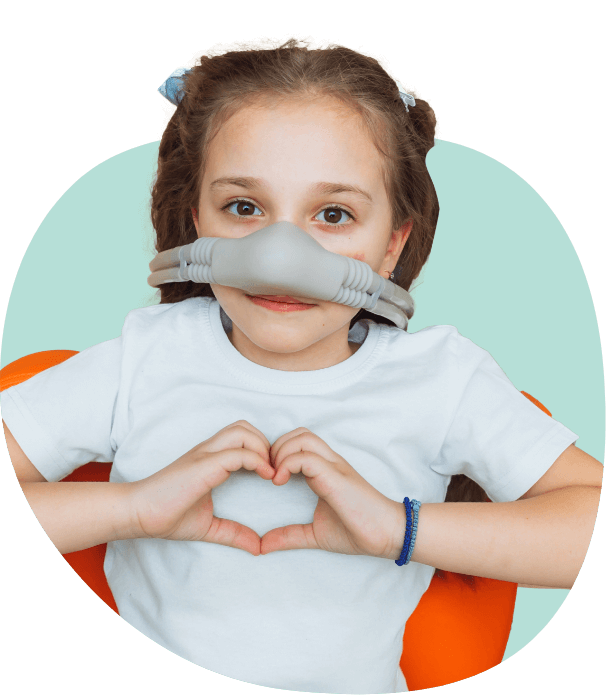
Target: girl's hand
351,516
176,503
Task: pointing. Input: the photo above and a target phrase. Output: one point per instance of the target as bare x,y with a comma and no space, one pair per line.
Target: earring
392,277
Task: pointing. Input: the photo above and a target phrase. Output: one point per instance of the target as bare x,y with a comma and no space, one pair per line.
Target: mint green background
502,270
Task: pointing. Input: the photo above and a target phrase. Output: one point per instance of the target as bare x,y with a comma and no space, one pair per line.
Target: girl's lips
279,303
275,298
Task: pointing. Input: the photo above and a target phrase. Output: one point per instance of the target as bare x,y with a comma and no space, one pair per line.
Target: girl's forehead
322,121
320,137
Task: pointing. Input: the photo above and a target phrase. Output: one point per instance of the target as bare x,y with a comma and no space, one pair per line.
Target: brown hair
221,84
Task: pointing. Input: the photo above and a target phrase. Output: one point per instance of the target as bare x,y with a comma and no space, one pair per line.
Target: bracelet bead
416,506
412,511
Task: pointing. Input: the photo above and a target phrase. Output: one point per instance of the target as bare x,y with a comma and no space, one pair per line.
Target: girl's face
310,163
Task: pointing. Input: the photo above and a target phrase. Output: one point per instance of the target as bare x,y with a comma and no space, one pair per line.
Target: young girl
262,445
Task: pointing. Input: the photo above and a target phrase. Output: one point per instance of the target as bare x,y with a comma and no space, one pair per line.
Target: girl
244,429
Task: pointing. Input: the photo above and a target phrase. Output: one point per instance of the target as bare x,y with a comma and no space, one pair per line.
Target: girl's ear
405,231
399,237
194,213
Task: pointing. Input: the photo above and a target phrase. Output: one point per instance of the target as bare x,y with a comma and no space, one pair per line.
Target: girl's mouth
279,303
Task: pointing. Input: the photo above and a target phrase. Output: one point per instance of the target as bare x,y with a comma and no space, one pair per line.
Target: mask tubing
283,259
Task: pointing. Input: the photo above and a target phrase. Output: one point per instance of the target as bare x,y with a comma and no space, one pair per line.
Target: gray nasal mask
282,259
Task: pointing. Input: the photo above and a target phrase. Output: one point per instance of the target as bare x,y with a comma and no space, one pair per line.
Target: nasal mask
282,259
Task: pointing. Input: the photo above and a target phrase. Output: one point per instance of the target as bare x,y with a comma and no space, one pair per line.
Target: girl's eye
335,213
245,206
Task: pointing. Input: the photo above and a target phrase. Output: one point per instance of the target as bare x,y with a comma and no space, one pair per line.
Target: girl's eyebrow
324,187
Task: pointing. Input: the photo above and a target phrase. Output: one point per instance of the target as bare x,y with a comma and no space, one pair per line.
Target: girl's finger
310,464
300,440
293,537
252,428
277,445
234,535
219,465
234,459
239,434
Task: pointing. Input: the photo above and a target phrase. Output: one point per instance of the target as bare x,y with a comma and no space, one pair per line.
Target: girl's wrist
399,529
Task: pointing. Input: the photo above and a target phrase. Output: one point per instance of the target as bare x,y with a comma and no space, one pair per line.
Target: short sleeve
62,417
498,437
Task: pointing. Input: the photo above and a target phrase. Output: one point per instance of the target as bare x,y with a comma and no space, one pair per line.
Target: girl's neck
327,352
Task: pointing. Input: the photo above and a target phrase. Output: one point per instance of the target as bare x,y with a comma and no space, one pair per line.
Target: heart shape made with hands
351,516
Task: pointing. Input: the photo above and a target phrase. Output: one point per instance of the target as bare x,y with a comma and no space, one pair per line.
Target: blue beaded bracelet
412,513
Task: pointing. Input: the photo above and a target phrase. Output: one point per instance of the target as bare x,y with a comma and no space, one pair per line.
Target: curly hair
221,84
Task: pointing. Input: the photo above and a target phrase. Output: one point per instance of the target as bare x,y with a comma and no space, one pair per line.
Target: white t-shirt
407,411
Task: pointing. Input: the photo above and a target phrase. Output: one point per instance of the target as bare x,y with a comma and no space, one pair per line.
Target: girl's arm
74,515
540,541
80,515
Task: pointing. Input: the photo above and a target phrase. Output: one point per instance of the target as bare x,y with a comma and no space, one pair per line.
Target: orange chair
460,627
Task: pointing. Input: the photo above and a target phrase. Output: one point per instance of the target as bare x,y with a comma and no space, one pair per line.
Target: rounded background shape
502,270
